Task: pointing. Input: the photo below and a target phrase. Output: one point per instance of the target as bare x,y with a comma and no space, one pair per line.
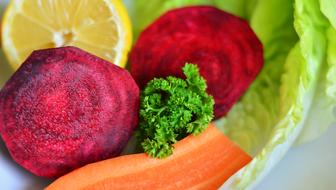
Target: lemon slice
101,27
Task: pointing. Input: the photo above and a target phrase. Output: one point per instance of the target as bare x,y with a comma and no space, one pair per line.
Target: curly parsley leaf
171,109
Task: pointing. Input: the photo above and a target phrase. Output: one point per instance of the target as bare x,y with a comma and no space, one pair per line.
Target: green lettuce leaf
328,8
297,90
281,135
242,8
323,110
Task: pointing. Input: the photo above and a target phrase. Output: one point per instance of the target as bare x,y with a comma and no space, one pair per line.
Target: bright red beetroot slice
65,108
225,48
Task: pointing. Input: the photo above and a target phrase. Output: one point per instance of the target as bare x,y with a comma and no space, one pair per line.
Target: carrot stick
202,162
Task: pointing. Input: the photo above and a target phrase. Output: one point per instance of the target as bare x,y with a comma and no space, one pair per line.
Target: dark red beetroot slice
65,108
224,47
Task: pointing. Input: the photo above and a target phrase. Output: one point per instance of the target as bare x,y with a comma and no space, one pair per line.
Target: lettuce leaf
322,113
242,8
328,8
281,134
298,86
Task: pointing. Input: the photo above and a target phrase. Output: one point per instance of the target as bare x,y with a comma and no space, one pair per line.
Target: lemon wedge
101,27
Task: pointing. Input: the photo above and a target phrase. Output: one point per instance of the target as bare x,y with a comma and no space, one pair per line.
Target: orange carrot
202,162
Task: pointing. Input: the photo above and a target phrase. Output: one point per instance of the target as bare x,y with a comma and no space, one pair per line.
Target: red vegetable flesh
225,48
65,108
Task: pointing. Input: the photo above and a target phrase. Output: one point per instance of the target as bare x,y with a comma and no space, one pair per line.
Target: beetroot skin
65,108
225,48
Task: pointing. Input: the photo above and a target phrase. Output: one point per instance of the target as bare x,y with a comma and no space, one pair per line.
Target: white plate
310,167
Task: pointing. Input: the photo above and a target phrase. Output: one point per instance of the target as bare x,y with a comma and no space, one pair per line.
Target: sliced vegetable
65,108
224,47
200,162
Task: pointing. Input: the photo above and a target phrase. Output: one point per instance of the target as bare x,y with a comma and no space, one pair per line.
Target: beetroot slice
225,48
65,108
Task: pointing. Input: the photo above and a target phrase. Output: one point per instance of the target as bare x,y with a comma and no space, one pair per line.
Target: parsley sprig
171,109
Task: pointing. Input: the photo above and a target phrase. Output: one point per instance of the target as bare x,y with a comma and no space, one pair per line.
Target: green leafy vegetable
322,111
171,109
241,8
328,9
299,81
